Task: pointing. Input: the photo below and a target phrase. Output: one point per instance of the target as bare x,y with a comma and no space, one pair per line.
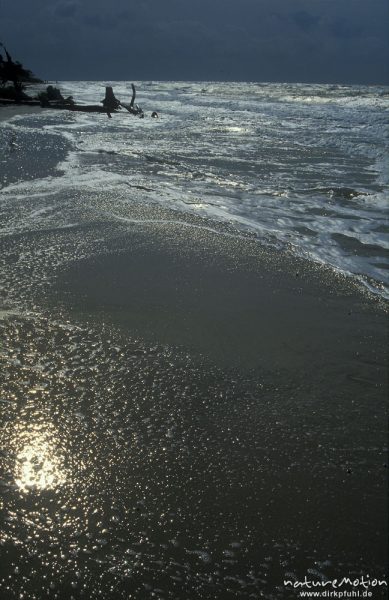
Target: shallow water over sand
133,467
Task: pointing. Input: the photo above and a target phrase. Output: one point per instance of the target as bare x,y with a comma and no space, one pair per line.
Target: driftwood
87,108
53,96
7,102
110,103
92,108
132,108
53,99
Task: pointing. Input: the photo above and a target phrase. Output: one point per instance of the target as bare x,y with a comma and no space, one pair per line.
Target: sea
303,167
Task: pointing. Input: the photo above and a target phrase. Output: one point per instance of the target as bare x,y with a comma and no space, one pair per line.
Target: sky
319,41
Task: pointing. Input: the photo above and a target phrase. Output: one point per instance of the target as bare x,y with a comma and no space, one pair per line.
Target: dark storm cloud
278,40
305,20
67,9
343,28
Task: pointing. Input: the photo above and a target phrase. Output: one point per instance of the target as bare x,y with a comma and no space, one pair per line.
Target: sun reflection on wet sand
38,465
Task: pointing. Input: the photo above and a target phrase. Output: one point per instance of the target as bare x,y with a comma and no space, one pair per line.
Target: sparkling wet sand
184,414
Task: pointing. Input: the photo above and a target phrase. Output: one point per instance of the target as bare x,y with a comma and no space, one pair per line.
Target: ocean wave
296,164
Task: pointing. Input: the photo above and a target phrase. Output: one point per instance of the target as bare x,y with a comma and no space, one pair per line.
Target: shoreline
270,446
186,412
8,112
374,285
193,274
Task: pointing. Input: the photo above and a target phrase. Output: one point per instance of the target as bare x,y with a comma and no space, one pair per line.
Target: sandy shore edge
8,112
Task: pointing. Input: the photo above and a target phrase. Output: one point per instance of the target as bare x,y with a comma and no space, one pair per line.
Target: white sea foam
302,165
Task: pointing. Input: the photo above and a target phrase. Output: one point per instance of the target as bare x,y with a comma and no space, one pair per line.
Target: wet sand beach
184,413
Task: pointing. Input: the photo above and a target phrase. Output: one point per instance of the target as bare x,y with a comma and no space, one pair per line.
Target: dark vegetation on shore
14,77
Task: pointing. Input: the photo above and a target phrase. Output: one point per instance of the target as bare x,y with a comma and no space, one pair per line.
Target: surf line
177,222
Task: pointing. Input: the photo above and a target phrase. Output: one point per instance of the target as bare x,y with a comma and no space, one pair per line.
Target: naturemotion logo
345,587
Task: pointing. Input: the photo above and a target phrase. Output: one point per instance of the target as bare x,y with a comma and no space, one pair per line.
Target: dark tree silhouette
14,72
